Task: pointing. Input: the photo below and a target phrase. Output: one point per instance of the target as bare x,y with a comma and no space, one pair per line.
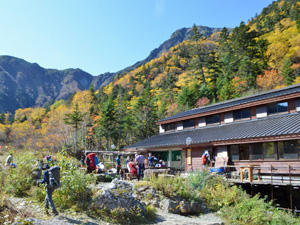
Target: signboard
189,156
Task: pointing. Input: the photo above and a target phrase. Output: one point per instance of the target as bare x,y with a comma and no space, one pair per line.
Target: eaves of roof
264,127
235,102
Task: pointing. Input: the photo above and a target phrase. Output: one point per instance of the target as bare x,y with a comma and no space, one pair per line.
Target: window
241,114
169,126
163,155
244,152
269,150
189,123
213,119
239,152
277,108
234,152
257,152
263,151
288,149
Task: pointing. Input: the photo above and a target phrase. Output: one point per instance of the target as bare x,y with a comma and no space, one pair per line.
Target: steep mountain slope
24,84
176,38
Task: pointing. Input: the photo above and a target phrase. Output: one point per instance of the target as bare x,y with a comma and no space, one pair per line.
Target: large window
277,108
288,149
169,127
213,119
263,151
266,151
189,123
241,114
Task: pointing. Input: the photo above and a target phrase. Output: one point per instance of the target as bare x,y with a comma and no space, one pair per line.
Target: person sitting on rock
163,163
100,168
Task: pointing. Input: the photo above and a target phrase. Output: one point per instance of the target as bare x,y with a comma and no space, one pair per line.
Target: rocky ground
37,217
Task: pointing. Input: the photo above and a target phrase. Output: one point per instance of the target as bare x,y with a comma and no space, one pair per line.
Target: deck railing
273,174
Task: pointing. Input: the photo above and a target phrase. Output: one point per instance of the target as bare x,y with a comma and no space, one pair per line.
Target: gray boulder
185,208
170,206
118,195
196,207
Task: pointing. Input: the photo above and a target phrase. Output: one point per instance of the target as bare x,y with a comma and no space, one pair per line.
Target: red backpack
204,159
91,156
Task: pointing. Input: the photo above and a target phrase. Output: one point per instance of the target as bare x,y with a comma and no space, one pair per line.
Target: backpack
204,159
54,177
92,165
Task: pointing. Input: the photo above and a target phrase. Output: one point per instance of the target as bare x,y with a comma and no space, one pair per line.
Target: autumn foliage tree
269,80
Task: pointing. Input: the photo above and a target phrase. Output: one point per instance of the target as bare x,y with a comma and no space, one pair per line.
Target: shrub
18,181
172,186
255,211
125,216
74,193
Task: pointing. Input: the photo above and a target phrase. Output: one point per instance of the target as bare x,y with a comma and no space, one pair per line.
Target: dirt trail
174,219
80,218
163,218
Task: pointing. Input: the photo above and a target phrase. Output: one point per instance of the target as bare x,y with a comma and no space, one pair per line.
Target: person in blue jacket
118,163
49,191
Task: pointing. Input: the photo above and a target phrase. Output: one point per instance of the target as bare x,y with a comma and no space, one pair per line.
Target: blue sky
101,36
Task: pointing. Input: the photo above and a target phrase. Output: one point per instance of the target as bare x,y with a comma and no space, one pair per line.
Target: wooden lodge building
261,129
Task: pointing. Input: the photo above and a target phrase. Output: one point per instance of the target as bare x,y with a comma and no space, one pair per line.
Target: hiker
87,162
47,159
150,159
96,160
118,164
132,166
127,162
49,191
82,161
205,159
92,164
8,160
100,167
163,163
139,159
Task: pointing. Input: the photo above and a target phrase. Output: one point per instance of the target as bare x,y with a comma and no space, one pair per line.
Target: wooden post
241,174
250,173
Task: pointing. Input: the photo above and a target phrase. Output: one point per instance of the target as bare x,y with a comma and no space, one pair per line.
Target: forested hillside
261,55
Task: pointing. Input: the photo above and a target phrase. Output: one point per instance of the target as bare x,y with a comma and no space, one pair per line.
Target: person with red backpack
87,163
205,159
92,165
